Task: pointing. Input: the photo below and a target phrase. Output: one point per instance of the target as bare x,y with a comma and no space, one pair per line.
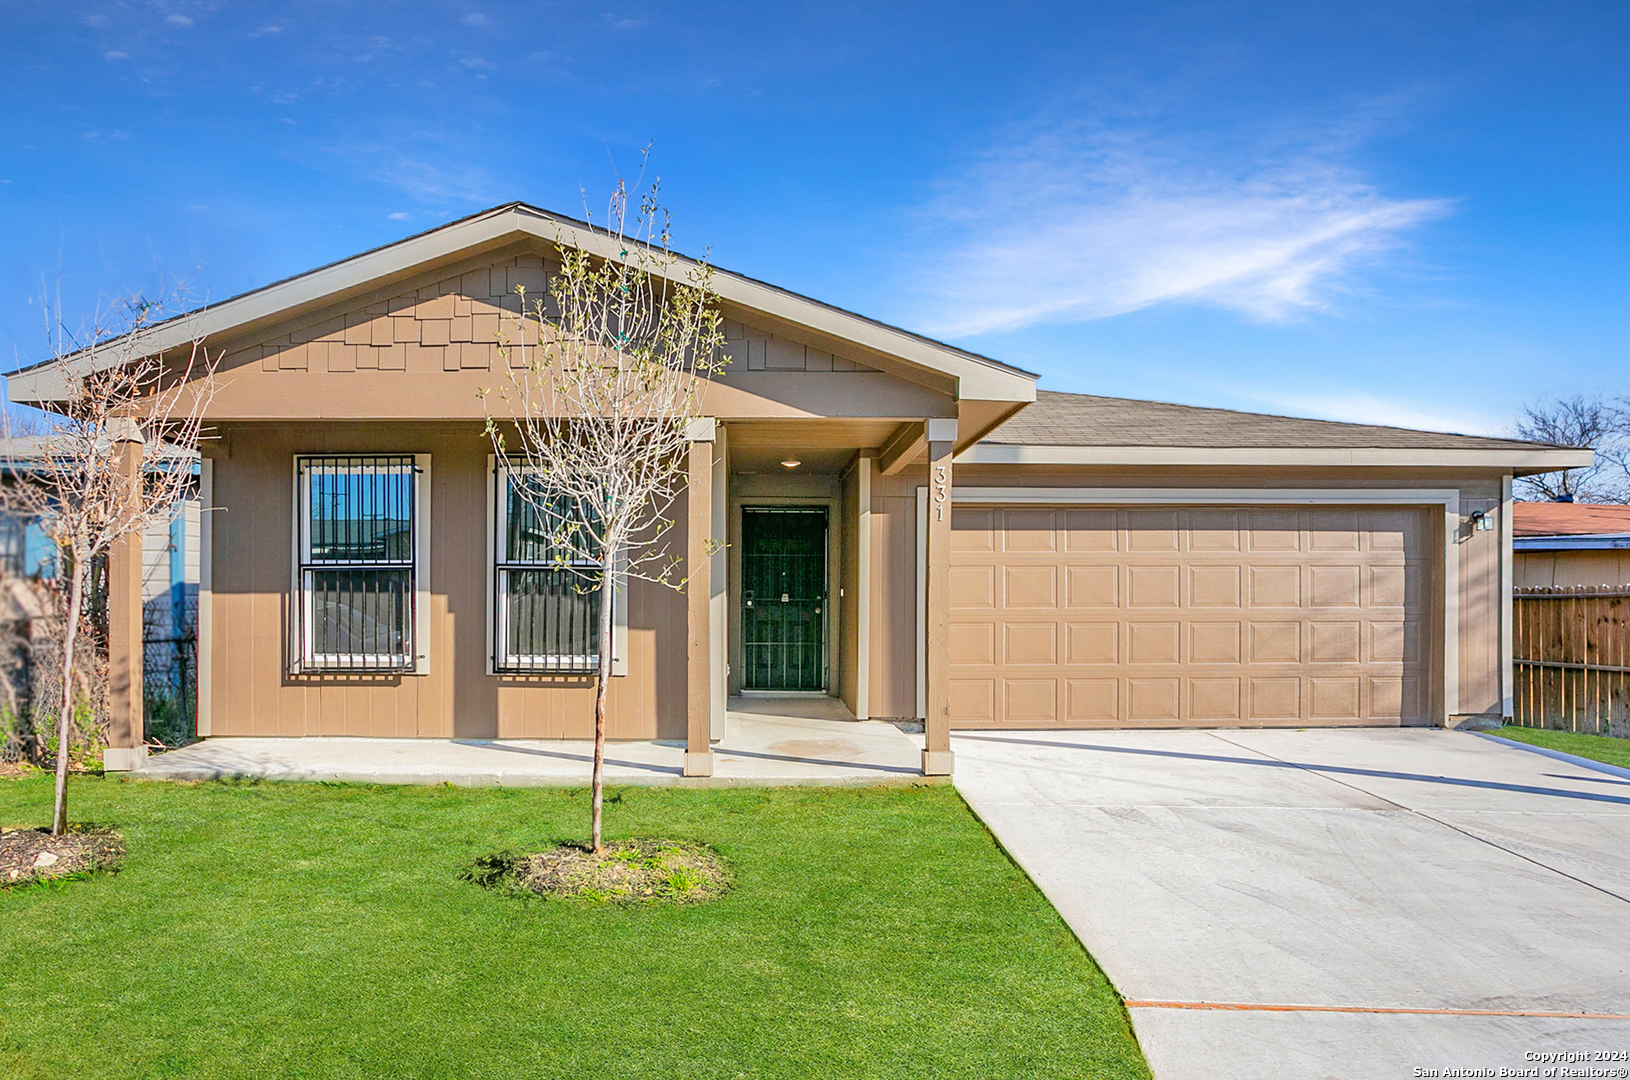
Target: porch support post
127,747
699,600
940,436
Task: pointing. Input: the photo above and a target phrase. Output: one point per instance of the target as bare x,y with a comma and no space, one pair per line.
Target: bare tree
79,476
605,375
1582,420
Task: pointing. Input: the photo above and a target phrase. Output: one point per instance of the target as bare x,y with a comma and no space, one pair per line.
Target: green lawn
1601,748
306,930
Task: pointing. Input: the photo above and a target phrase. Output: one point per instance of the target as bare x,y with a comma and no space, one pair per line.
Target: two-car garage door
1119,616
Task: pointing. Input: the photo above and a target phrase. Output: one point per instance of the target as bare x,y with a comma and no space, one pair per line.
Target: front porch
768,741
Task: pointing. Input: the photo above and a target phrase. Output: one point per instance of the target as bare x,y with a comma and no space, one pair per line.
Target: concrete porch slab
767,742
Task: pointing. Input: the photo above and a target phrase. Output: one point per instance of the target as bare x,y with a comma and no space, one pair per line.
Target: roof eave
1517,461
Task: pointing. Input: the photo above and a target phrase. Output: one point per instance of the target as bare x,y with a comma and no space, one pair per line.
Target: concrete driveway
1353,904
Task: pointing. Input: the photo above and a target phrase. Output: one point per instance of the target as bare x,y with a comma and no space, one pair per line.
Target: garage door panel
1151,530
1270,698
973,701
1214,530
1030,643
973,587
1090,701
1334,699
973,643
1101,616
1216,700
1154,586
1091,530
973,530
1275,586
1029,531
1030,701
1333,586
1093,586
1334,642
1214,586
1273,530
1153,643
1092,643
1153,700
1030,586
1214,642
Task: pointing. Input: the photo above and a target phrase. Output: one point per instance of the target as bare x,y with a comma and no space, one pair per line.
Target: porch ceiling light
791,463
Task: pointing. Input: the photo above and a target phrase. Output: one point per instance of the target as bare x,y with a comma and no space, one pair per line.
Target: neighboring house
1571,544
910,527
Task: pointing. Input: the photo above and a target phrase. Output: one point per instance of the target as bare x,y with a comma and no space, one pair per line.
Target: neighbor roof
1569,519
1061,428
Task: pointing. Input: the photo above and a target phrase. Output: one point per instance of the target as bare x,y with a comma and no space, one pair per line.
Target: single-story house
1561,544
907,526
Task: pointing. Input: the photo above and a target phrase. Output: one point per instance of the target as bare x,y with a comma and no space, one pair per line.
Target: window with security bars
358,562
546,611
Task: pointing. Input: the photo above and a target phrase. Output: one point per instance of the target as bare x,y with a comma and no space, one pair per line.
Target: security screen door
783,572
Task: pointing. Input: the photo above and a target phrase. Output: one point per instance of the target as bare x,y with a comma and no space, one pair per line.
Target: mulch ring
16,770
29,855
629,872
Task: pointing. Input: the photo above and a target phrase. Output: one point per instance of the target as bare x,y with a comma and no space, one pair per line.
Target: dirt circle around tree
638,871
31,855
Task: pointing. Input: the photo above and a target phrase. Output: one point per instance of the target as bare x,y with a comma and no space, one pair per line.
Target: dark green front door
783,597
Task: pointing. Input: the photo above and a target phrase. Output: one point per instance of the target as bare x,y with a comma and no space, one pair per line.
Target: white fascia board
976,378
1519,461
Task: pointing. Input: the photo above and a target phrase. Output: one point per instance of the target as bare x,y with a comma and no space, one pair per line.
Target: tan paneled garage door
1107,617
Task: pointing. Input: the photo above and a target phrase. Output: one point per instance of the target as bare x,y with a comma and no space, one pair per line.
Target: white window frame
304,661
498,608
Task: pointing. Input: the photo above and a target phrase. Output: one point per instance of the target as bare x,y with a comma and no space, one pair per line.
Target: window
546,582
361,553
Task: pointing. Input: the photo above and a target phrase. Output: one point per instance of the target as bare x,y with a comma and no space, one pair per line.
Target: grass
1603,748
310,930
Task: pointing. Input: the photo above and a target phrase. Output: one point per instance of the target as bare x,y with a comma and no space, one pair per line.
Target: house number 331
942,493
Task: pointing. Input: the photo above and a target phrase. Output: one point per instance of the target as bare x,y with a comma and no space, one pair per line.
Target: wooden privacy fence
1571,652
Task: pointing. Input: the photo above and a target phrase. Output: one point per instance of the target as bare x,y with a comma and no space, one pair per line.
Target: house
1571,544
909,527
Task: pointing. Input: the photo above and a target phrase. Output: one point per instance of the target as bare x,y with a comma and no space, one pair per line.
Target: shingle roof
1060,419
1569,519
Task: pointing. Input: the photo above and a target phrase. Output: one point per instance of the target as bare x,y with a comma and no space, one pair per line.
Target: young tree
605,375
1585,420
119,453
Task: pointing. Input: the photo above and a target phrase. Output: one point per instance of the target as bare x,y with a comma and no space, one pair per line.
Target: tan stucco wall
895,553
1547,569
252,543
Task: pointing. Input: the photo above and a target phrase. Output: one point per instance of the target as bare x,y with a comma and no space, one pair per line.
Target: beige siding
252,545
1545,569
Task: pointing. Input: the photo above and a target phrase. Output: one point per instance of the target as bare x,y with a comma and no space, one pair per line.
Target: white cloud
1356,407
1080,223
399,216
178,20
115,54
474,18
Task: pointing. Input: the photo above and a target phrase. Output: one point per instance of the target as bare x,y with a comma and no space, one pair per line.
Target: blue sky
1410,213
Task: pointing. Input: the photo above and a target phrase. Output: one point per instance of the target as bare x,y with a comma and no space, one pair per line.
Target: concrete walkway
1328,904
767,741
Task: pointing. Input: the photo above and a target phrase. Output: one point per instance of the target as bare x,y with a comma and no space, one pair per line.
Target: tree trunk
59,813
607,596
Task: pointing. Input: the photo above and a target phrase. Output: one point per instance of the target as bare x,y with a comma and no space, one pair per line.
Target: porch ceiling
820,446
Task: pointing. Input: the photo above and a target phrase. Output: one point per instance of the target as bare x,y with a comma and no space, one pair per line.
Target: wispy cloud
474,18
178,20
1083,222
1356,407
